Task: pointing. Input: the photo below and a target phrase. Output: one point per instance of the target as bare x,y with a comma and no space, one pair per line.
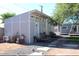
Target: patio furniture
43,37
21,40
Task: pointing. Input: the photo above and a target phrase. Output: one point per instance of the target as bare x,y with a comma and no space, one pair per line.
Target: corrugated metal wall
20,24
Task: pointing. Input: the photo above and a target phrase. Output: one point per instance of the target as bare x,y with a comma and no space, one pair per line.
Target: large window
64,27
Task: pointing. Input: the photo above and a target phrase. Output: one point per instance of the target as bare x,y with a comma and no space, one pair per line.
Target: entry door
36,29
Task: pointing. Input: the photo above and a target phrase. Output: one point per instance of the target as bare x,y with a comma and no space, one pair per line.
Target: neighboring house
65,29
1,29
1,32
30,24
70,29
70,26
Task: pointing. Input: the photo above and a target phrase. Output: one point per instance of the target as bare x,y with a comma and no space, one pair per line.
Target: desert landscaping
4,47
17,49
62,52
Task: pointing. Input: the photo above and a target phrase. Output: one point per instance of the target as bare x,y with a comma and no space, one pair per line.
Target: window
64,27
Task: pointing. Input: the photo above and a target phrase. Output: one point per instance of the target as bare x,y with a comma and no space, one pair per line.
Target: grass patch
73,38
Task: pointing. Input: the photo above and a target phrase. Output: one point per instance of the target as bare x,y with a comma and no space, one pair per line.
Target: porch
74,31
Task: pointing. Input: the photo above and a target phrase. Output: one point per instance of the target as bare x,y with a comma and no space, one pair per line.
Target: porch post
77,28
46,26
11,28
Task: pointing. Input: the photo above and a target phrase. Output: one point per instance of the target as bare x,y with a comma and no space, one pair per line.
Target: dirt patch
4,47
62,51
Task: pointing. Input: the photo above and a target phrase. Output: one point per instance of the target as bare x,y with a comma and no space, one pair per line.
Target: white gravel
43,48
36,53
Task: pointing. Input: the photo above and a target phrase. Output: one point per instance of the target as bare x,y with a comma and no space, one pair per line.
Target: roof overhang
39,13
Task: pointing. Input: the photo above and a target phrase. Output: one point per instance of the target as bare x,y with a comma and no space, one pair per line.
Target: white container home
30,24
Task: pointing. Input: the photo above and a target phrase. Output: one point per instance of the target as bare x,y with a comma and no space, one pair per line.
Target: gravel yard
24,51
4,47
62,51
16,49
12,49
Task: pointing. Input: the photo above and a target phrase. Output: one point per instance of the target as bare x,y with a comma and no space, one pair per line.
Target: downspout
29,41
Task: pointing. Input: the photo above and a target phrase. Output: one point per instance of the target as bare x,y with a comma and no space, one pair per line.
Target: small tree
65,10
6,15
52,22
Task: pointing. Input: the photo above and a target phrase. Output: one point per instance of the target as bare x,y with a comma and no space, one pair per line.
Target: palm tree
6,15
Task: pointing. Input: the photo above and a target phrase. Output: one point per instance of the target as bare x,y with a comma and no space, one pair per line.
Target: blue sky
19,8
